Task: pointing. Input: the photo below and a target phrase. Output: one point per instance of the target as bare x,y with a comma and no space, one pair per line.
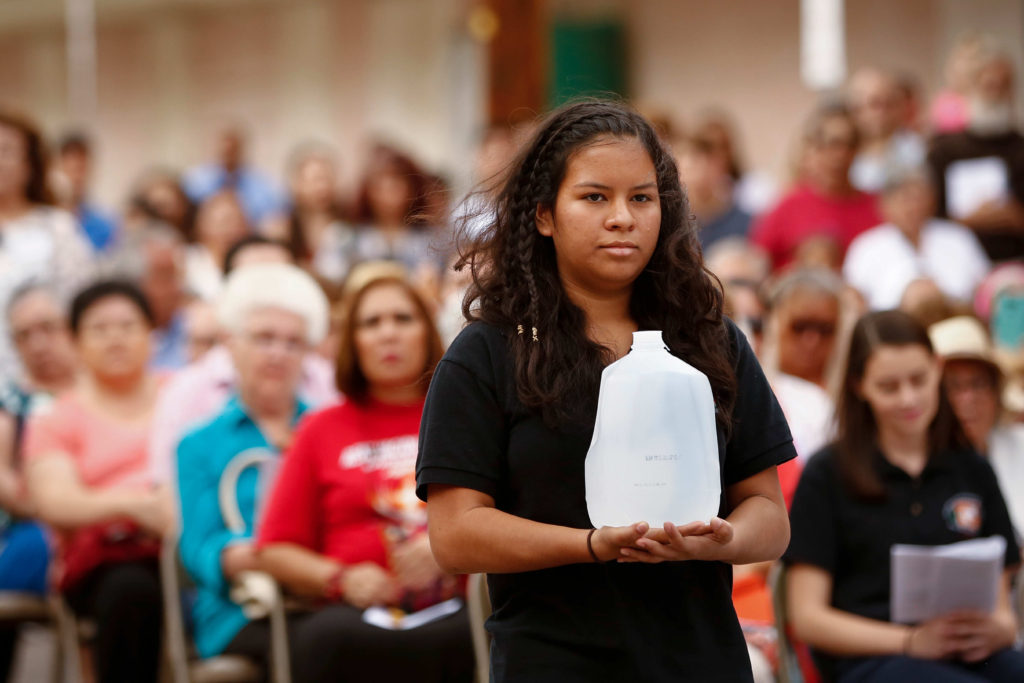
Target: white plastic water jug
654,454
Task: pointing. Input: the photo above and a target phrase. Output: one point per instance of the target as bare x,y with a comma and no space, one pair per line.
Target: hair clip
535,335
519,328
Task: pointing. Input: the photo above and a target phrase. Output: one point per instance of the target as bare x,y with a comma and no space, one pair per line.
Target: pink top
804,213
198,392
949,112
107,453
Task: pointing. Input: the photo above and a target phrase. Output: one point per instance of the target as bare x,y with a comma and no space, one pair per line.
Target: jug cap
648,339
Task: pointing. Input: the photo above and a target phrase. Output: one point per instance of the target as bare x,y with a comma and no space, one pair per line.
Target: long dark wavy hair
857,437
515,278
37,190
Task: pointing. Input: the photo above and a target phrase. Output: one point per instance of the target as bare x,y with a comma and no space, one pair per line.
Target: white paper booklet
972,182
930,581
397,620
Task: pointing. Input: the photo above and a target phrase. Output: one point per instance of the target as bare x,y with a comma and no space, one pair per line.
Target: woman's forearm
484,539
73,509
301,570
12,494
760,531
844,634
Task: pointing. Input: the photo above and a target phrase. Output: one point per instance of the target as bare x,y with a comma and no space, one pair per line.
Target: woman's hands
693,541
967,635
149,510
238,558
414,565
610,542
366,584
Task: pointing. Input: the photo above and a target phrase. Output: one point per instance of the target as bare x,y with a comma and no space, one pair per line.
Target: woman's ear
545,221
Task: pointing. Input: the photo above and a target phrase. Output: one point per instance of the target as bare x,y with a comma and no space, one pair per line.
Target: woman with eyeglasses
900,471
343,526
801,349
272,313
88,476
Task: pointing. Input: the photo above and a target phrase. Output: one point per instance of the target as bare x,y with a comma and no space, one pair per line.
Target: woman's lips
911,415
620,248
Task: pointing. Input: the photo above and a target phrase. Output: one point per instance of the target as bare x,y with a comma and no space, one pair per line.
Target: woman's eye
594,197
889,387
642,198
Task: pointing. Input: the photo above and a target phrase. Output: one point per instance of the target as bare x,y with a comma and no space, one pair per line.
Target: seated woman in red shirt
823,212
343,525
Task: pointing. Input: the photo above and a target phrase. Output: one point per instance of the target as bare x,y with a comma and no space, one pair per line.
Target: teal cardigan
201,458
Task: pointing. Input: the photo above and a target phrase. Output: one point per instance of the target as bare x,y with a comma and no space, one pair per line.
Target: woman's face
806,323
268,352
901,385
313,184
221,223
167,200
833,150
974,394
390,195
113,338
606,217
14,168
390,338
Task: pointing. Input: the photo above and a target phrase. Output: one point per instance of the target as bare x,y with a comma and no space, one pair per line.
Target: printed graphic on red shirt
962,513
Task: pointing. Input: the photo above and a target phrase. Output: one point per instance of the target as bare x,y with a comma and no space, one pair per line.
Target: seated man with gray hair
913,244
272,314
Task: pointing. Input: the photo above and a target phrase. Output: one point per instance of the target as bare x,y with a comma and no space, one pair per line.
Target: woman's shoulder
967,460
478,346
822,465
328,417
66,409
740,350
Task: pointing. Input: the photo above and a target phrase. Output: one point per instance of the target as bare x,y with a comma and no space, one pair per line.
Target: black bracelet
590,546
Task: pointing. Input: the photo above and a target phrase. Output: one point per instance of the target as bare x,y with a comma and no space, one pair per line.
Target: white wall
172,73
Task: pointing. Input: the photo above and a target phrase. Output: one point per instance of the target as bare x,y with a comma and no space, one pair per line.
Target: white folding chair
478,602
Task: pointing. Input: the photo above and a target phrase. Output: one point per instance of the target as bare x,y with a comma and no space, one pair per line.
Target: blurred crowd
143,350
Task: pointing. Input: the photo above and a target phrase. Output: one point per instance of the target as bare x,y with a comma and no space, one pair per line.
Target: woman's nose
619,216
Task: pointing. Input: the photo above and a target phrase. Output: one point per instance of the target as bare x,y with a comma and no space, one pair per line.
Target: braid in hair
557,366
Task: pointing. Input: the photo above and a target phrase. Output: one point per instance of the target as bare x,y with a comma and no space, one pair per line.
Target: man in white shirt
878,105
913,245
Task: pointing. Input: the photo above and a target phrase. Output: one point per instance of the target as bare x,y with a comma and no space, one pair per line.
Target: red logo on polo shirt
962,513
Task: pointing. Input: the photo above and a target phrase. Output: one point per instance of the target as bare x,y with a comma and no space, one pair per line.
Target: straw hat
963,338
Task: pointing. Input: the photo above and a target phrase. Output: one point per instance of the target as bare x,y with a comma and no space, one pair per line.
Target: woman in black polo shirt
591,240
899,472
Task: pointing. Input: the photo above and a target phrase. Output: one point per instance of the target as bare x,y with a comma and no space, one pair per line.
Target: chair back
228,485
172,578
478,602
1018,604
280,654
789,661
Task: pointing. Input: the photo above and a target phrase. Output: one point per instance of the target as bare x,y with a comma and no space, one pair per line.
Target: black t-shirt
587,622
1000,242
955,498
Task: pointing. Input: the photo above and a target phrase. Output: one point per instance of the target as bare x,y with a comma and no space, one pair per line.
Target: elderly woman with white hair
272,314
